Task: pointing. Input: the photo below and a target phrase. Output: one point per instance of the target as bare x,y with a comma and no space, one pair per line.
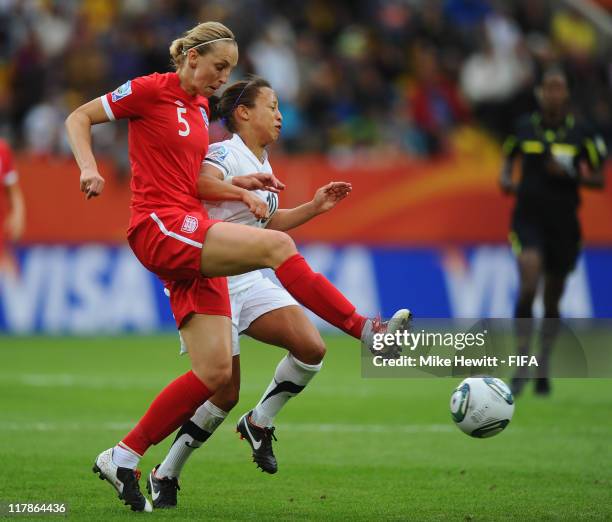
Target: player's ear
243,112
192,58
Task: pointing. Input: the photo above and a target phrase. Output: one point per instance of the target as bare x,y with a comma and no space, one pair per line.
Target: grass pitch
348,449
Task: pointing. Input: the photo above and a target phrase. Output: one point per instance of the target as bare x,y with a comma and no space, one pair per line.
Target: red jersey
168,140
8,176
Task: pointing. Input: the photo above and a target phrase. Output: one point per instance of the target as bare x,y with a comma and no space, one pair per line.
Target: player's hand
259,181
256,205
92,184
589,177
328,196
14,226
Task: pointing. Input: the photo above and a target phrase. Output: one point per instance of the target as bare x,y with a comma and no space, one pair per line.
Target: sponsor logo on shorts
122,91
190,224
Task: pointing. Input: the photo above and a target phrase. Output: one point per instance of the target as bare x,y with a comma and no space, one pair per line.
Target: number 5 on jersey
180,111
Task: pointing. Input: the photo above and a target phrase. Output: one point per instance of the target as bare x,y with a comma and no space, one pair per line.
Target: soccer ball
482,406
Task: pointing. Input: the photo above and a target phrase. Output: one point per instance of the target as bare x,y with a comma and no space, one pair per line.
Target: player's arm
326,198
78,128
590,171
15,221
212,187
506,178
258,181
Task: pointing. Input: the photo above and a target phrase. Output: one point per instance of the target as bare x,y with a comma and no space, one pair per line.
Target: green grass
348,449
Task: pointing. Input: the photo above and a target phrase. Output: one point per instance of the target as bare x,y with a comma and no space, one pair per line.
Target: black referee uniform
545,215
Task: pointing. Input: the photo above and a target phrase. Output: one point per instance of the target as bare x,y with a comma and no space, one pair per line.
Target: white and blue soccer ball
482,406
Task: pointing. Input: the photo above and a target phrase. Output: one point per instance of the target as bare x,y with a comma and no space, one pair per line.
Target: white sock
290,378
190,437
125,458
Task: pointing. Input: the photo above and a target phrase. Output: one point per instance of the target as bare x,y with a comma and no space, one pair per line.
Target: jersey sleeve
219,156
594,150
8,174
131,99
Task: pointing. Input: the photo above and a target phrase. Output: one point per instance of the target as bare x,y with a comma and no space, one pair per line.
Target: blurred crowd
385,76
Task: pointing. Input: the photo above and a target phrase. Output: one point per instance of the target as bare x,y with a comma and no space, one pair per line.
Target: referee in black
557,155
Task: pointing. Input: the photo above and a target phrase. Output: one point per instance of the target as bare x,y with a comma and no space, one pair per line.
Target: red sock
316,293
171,408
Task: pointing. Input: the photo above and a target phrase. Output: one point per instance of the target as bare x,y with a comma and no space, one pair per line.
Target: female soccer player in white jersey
172,235
260,308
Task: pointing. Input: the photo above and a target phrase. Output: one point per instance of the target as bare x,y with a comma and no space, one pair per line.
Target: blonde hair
197,37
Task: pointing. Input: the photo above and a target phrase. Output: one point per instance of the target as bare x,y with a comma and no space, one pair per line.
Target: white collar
238,142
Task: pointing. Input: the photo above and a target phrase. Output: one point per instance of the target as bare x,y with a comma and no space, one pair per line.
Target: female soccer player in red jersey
260,308
172,236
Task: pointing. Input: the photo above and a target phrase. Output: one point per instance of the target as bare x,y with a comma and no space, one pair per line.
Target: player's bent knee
221,377
214,376
280,247
216,380
317,351
311,352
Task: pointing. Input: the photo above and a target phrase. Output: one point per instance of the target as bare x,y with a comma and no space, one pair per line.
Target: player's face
554,93
265,117
212,70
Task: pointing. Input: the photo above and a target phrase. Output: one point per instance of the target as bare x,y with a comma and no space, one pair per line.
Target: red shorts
202,295
168,242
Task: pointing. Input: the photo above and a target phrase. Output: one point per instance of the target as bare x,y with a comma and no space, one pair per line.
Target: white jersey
233,158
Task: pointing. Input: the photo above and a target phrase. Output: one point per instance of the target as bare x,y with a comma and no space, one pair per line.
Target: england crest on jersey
204,115
122,91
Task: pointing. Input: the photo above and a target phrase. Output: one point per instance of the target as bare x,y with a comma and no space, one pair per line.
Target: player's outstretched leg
315,292
232,249
124,480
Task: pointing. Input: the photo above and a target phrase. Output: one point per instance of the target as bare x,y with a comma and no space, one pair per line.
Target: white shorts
260,298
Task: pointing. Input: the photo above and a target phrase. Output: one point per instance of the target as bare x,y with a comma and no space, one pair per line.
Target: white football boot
124,480
398,323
